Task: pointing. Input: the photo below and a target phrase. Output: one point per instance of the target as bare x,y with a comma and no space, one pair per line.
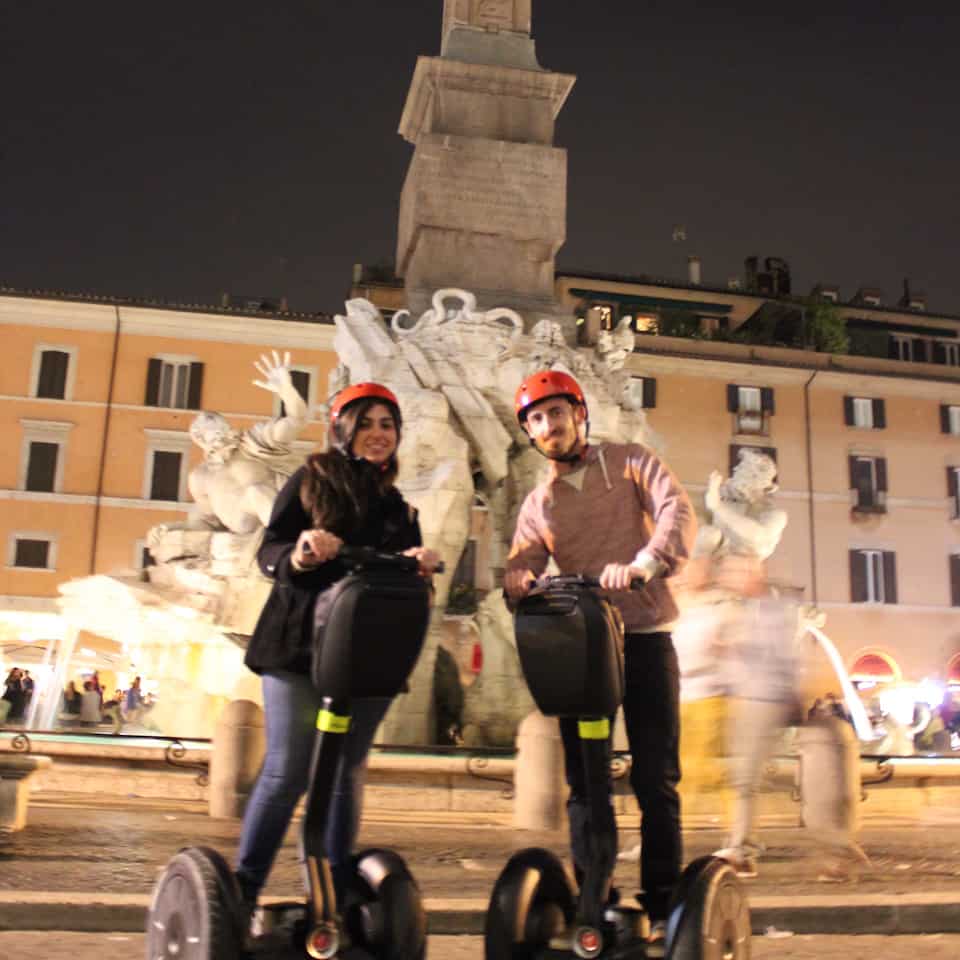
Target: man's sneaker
741,861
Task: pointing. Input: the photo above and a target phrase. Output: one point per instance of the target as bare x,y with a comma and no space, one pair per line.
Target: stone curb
844,914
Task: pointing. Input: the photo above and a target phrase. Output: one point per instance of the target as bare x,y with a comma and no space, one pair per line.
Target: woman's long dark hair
339,490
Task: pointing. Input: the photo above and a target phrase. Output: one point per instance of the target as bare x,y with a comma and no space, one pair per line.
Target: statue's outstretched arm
276,379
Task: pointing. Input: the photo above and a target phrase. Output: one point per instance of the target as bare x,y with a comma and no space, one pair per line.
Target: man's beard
565,453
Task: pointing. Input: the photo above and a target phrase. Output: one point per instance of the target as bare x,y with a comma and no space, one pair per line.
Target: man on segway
615,511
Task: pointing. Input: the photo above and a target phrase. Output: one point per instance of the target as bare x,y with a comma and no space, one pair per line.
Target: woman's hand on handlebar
518,583
315,547
620,576
427,558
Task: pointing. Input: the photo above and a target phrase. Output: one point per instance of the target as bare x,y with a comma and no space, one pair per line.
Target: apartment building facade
96,401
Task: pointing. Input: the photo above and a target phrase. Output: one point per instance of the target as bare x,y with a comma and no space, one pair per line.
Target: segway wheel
532,901
709,918
383,909
195,910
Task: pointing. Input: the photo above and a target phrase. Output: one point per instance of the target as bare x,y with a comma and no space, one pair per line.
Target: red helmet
543,384
360,391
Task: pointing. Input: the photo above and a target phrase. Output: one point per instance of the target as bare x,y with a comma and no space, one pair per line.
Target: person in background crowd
71,699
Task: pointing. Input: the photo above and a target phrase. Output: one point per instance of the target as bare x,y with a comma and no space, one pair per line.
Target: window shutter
766,400
848,411
852,464
649,393
154,368
893,348
733,398
165,482
881,474
955,580
951,481
944,418
195,388
879,414
858,577
889,576
52,381
42,466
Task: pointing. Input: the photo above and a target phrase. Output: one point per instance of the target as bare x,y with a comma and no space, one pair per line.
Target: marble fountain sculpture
734,640
455,370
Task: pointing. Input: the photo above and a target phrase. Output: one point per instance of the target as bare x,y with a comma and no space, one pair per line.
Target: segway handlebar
577,581
370,556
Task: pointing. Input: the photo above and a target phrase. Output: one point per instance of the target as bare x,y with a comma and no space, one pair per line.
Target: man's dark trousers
651,711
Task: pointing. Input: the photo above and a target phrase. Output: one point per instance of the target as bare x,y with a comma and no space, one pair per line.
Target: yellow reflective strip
594,729
330,722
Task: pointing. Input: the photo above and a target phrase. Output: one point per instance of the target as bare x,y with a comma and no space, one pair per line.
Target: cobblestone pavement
119,846
89,946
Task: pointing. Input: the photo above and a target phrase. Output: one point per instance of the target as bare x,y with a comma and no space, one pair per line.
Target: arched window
953,671
875,667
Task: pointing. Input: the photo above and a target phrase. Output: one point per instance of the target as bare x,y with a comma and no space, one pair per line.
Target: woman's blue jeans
291,703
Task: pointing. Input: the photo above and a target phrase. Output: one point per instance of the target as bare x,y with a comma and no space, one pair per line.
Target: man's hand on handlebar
428,559
315,547
620,576
518,583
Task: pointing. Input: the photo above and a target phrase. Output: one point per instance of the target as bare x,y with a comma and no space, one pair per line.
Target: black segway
375,624
570,642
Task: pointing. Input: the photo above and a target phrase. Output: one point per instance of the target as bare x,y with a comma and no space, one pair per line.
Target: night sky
179,150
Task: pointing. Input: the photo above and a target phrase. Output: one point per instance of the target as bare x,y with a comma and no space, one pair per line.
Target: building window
42,455
174,382
867,413
303,380
913,349
950,419
953,491
52,372
32,551
752,408
42,466
873,576
165,474
946,352
868,482
735,449
955,579
641,393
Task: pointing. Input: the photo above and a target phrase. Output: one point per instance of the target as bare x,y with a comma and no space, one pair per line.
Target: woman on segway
343,496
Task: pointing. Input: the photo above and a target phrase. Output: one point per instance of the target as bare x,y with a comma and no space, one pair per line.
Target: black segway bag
570,643
369,630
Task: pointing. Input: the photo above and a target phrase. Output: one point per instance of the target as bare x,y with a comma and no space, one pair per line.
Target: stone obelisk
484,202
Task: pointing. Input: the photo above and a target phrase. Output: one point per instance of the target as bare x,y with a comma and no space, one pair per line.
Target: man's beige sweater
623,506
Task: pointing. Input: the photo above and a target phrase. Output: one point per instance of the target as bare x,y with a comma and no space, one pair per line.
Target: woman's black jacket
282,637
